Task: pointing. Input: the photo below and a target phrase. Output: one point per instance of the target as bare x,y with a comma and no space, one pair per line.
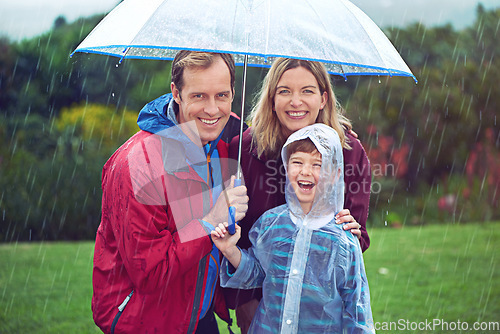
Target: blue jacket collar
154,117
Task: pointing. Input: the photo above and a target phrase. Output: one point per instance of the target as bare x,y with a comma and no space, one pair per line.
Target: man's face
205,99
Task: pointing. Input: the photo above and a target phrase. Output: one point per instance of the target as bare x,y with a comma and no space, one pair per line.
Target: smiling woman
298,99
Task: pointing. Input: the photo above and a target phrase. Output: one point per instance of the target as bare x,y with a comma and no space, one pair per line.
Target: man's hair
303,145
186,59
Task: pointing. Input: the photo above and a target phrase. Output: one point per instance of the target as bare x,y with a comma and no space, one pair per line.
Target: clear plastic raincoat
311,270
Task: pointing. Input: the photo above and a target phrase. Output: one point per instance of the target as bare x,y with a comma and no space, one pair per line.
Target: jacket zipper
121,307
197,297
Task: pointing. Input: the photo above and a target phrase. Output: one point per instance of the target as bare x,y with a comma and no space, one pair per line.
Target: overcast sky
28,18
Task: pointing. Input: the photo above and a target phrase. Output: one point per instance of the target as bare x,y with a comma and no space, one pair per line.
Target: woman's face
298,99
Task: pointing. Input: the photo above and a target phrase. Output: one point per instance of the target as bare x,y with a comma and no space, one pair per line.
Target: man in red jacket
155,267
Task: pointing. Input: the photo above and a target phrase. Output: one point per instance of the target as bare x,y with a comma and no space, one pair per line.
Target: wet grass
416,274
46,288
439,273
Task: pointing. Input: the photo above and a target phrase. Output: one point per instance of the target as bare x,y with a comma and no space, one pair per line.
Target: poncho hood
329,196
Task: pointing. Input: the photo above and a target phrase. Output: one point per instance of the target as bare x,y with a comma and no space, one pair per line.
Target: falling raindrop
383,271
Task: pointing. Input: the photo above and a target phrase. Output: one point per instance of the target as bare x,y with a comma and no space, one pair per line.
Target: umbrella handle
231,219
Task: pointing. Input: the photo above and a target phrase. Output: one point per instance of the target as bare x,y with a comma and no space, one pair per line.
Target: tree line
433,146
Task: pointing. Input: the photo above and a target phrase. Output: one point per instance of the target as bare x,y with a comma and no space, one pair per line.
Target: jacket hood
159,118
329,194
155,116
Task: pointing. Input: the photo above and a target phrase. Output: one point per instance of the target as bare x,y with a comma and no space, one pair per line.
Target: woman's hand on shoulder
344,217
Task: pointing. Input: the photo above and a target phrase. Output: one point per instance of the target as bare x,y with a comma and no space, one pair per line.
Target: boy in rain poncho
310,269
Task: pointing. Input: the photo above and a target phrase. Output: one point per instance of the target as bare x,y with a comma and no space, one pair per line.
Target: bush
50,178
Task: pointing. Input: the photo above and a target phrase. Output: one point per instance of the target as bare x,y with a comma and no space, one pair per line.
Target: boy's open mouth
305,185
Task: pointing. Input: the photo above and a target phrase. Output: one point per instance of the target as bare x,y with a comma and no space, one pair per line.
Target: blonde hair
267,131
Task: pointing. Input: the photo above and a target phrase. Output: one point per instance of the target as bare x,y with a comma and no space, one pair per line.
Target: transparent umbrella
334,32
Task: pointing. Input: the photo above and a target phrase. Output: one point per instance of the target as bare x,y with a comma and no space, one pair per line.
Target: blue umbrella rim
388,71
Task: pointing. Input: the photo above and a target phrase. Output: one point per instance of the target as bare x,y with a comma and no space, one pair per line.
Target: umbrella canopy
334,32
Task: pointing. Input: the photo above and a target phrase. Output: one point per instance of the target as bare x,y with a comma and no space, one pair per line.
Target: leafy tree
50,175
98,124
7,67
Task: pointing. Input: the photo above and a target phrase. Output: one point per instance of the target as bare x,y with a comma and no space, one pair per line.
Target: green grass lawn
416,274
445,272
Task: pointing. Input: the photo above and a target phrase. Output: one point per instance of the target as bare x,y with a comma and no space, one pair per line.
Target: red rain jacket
138,244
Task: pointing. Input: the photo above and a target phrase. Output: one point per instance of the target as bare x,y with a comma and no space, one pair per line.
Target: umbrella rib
387,68
316,13
128,47
268,30
371,42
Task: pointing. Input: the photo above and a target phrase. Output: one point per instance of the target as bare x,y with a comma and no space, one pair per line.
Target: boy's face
303,174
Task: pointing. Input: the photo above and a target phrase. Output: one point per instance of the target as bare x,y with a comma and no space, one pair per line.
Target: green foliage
40,76
50,175
97,124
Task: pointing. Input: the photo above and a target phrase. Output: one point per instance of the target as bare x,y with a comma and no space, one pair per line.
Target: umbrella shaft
242,118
